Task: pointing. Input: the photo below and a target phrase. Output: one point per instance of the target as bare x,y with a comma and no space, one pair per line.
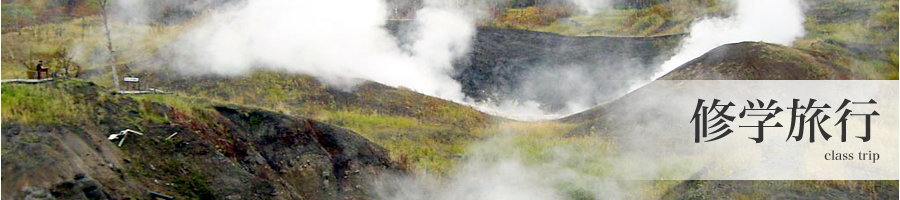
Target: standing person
39,68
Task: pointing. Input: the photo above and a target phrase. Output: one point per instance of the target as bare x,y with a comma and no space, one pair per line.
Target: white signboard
132,79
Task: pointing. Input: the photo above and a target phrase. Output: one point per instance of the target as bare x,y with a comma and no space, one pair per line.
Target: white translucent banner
849,130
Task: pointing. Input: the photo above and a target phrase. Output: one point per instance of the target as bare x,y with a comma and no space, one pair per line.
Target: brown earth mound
757,61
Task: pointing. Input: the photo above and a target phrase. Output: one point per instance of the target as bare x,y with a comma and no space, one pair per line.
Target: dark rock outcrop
513,64
219,152
502,61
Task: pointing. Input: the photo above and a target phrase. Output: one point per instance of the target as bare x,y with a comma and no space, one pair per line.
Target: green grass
190,106
364,121
149,113
858,35
303,95
434,143
43,103
416,145
667,18
423,133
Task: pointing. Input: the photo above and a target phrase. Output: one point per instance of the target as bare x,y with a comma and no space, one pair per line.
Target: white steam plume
497,169
591,6
339,41
343,42
775,21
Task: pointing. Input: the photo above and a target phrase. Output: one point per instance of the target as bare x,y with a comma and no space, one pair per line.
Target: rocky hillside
270,134
423,132
55,146
504,64
502,61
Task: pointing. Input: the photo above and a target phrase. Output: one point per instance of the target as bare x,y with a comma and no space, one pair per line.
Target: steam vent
450,100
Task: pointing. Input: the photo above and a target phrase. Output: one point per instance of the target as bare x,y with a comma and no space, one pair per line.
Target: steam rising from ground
343,42
775,21
648,138
545,93
339,41
497,169
591,6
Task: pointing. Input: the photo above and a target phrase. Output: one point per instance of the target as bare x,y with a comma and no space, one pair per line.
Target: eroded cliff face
219,152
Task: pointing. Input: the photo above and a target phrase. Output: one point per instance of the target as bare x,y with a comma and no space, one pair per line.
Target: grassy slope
858,35
845,39
428,134
36,116
34,104
75,103
668,18
533,143
431,148
423,132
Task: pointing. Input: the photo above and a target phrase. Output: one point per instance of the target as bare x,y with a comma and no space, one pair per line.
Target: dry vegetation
423,133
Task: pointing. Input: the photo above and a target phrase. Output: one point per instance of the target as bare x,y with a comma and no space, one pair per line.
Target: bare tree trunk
112,52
